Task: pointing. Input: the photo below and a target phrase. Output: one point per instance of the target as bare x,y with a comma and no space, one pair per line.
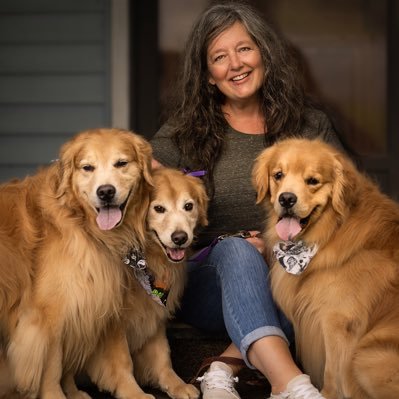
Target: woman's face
235,64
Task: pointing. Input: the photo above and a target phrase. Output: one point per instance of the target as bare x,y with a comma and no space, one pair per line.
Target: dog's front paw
328,394
78,395
144,396
183,391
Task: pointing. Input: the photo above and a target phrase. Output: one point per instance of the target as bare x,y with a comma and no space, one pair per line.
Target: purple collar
195,173
204,252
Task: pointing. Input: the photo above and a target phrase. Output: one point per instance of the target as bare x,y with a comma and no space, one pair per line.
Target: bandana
156,289
294,256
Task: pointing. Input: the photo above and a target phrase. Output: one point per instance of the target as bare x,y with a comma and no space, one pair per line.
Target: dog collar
204,252
294,256
195,173
157,289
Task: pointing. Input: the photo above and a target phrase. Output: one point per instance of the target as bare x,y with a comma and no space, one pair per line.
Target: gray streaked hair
198,121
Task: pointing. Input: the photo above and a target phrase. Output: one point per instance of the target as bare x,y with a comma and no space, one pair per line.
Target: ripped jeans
229,290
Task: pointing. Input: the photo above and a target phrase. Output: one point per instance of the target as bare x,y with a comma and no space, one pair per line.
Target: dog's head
178,205
301,181
104,170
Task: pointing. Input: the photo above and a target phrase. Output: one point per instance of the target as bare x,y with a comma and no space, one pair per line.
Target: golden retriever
344,303
178,205
63,234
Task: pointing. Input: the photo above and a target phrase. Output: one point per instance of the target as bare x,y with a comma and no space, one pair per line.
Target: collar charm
135,259
156,289
294,256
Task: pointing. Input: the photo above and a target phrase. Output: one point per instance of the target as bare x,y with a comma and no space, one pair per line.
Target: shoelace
218,379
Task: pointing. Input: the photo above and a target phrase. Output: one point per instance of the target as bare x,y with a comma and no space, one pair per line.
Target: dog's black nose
287,200
106,192
179,237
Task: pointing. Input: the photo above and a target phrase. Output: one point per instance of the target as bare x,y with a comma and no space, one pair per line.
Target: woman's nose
235,61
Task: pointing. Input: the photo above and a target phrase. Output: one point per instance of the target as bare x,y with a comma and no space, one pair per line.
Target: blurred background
70,65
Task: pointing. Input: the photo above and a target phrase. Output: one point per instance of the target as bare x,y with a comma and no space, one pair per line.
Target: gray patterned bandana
294,256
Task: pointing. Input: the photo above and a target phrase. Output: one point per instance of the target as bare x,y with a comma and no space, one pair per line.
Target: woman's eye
242,49
159,209
218,58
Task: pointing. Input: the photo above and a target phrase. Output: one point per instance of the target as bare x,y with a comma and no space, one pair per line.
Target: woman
240,91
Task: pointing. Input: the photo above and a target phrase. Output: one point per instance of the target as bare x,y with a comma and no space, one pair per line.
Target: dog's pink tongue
287,228
108,217
176,254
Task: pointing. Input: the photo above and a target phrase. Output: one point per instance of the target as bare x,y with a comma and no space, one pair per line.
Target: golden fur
69,302
178,206
344,306
62,284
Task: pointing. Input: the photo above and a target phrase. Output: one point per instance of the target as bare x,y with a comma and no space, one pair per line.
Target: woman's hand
155,164
256,240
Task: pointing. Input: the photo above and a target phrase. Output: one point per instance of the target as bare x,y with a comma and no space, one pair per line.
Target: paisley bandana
294,256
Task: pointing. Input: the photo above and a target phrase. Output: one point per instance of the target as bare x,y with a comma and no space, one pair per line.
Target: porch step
189,347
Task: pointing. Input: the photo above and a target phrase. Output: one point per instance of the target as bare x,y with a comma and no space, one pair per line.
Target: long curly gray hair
198,122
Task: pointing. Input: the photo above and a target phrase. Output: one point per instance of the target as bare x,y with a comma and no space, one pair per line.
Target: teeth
239,77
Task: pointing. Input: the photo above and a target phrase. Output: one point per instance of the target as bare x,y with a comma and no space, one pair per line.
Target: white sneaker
218,382
299,387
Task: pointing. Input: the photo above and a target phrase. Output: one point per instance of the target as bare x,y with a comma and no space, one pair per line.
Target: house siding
54,77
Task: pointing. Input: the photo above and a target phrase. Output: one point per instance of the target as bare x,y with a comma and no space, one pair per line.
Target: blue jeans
230,290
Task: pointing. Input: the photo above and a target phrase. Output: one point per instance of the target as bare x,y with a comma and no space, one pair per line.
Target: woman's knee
233,244
237,254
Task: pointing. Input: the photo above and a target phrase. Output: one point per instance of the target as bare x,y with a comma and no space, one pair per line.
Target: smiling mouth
175,255
240,77
289,225
110,216
304,221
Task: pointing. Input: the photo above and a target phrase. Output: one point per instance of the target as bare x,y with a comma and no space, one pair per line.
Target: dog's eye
120,164
312,181
278,176
88,168
188,207
159,209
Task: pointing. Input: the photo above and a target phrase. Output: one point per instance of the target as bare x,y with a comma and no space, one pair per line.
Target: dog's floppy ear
203,200
344,192
143,151
64,167
260,175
